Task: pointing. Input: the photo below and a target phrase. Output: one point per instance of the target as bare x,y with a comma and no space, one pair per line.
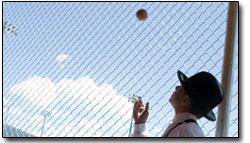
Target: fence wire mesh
69,67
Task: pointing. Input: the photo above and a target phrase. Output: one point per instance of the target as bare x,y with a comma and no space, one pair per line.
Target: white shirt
190,129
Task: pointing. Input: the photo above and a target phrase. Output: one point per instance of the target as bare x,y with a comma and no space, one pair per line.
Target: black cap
204,91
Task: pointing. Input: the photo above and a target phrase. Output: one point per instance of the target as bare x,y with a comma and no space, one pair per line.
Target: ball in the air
142,14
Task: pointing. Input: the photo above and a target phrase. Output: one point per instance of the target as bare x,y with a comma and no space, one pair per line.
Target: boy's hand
140,113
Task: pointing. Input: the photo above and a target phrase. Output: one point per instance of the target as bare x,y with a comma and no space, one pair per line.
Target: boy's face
179,97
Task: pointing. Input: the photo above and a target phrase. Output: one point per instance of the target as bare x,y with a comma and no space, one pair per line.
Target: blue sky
65,50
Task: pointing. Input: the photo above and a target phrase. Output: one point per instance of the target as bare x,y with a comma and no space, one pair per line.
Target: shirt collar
183,116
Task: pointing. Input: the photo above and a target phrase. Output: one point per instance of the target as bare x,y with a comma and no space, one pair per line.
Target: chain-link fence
69,67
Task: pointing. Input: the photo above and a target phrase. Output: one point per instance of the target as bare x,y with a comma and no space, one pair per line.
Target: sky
82,60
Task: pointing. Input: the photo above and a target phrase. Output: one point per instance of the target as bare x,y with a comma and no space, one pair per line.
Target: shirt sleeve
140,130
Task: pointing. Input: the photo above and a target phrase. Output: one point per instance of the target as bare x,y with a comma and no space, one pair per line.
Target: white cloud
91,124
103,104
61,57
38,90
14,110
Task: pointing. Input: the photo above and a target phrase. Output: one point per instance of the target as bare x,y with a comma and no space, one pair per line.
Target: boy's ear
185,100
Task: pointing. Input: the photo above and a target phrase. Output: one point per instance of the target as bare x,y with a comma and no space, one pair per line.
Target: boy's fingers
135,110
141,109
139,102
136,106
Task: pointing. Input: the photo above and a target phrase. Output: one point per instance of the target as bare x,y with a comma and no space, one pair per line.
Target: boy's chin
170,99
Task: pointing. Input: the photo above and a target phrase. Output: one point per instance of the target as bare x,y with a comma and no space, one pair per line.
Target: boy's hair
195,111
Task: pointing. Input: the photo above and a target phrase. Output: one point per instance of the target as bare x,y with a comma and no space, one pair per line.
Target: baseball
141,14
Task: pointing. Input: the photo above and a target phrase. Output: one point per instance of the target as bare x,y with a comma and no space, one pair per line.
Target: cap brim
210,116
181,76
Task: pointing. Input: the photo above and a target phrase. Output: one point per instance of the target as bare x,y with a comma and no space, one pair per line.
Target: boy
194,99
